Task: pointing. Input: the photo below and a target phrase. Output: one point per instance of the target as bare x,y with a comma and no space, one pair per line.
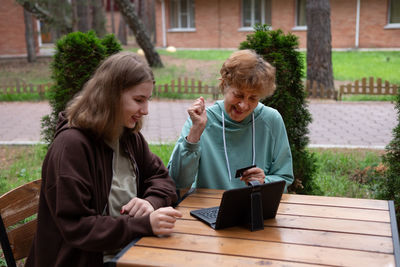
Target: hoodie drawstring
224,140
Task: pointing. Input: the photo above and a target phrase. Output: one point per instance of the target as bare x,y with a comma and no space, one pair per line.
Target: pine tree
77,57
289,98
390,188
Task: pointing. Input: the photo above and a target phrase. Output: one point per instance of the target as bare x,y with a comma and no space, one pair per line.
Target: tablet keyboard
210,213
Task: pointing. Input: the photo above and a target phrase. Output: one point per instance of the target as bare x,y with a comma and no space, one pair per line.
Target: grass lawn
351,66
341,172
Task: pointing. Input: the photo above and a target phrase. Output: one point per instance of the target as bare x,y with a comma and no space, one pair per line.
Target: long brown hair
245,69
98,106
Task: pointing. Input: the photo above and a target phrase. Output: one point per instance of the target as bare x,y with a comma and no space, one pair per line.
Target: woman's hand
163,220
198,115
137,207
253,174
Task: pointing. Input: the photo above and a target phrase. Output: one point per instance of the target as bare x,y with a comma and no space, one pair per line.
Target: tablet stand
256,215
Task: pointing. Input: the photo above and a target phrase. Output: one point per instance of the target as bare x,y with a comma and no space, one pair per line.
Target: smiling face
240,103
134,103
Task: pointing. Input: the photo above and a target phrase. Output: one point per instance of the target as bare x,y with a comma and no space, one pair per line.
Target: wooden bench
16,231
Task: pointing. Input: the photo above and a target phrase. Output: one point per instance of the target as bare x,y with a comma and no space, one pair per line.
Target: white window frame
263,15
389,24
296,19
190,28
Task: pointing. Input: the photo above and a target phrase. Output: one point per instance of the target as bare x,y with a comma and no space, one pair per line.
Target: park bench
18,209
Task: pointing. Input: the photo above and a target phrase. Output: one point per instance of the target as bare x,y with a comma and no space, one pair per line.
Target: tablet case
236,206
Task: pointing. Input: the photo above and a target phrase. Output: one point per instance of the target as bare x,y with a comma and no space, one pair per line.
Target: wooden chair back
16,231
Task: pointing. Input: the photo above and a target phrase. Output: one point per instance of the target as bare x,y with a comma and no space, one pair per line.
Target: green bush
289,98
111,44
77,57
390,188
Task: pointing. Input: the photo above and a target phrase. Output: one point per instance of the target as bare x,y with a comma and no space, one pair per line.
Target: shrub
111,44
289,98
77,57
390,188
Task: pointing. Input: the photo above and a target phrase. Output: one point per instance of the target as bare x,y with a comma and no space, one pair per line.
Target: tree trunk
74,11
152,20
319,56
122,34
83,15
58,9
142,38
147,16
99,18
112,16
29,37
63,23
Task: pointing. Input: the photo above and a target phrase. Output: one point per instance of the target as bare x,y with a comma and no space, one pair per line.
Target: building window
301,19
394,12
255,12
181,15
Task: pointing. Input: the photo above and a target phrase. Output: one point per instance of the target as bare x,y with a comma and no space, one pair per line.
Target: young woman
101,185
234,133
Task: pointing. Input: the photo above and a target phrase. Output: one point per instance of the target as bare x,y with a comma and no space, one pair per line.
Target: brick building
225,23
12,29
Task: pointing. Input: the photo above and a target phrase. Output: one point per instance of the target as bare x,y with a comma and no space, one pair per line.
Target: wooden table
307,231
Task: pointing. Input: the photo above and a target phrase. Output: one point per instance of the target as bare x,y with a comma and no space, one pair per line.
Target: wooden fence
179,86
317,90
195,87
371,88
186,86
17,86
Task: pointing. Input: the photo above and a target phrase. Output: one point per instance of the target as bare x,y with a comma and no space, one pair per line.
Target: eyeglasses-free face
135,103
240,103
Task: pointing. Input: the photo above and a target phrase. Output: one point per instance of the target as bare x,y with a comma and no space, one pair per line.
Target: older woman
234,133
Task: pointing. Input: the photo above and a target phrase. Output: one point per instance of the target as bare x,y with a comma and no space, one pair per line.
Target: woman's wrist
191,138
194,134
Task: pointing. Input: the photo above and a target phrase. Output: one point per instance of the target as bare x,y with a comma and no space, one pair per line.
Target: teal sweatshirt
204,165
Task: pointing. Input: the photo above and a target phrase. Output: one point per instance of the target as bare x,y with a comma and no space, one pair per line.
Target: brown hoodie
76,181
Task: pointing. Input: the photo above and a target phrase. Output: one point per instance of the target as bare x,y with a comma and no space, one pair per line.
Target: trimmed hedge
77,57
289,98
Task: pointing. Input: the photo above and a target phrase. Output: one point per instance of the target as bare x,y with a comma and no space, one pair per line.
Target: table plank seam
308,229
237,255
386,208
319,217
334,218
293,243
305,204
329,231
334,206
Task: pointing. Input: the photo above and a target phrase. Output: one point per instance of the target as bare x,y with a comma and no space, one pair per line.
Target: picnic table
307,231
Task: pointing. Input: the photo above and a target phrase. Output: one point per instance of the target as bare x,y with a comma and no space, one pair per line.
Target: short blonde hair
246,70
98,106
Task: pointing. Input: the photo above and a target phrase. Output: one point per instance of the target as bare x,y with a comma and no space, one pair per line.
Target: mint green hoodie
204,165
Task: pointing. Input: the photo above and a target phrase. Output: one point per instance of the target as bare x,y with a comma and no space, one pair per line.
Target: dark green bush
289,98
390,188
111,44
77,57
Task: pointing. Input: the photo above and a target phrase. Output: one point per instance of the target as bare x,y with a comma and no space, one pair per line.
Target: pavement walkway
335,124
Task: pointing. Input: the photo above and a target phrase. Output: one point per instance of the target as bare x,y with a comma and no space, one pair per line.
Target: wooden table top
307,231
